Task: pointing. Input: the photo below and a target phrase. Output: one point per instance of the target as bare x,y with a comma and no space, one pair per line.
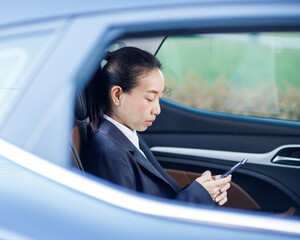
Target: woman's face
138,109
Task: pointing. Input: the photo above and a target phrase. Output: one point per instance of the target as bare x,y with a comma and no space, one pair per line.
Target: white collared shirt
130,134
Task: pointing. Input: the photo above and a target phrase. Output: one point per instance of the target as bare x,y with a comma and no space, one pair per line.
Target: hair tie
105,58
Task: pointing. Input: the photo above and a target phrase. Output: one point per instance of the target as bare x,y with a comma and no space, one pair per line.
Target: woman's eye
149,100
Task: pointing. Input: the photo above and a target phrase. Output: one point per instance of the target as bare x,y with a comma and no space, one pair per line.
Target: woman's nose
156,108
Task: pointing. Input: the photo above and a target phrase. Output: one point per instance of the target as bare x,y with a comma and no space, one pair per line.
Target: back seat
79,134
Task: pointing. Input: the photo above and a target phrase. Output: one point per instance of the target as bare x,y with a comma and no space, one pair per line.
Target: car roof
16,11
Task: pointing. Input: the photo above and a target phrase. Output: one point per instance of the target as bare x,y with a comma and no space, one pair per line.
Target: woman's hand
216,187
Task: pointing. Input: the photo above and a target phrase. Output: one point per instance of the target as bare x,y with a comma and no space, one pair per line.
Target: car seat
79,134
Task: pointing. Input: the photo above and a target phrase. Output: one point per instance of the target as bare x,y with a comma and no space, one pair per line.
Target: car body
50,50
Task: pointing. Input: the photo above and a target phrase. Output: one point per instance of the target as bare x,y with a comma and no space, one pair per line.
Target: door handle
288,156
286,160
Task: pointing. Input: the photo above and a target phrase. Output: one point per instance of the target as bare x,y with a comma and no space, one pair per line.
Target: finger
221,196
210,188
215,193
214,196
223,181
222,202
227,186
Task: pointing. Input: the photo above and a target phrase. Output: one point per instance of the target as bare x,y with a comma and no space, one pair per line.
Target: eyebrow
156,92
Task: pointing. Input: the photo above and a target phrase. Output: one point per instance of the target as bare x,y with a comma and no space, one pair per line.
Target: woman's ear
116,94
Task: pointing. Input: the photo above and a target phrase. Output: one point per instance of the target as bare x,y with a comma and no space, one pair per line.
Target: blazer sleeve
195,193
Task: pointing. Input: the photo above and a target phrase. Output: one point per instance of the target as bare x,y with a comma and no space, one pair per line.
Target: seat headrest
80,106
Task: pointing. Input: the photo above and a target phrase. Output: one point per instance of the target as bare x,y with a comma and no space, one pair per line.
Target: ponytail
97,99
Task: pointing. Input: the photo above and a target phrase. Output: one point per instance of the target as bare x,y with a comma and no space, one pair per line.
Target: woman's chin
142,128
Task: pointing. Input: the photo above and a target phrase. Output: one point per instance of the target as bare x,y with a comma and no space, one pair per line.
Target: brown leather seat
79,134
237,197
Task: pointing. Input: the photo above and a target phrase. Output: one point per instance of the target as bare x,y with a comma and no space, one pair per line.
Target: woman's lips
149,123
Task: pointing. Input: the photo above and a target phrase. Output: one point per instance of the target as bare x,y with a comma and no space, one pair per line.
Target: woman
123,98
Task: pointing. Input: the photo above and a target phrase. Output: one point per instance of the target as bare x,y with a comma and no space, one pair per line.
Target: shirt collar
130,134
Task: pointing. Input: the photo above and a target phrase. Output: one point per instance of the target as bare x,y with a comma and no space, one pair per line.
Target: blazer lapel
144,162
148,163
144,147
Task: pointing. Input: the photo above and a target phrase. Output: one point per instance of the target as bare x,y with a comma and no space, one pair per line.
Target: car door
230,96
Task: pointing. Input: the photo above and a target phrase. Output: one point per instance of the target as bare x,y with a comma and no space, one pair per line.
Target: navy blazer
110,155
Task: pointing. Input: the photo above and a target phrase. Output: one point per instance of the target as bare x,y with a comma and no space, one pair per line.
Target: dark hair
123,68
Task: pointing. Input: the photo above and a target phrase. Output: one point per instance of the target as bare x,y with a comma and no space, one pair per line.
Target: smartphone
235,167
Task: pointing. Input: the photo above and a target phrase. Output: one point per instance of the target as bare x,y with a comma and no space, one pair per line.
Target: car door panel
193,140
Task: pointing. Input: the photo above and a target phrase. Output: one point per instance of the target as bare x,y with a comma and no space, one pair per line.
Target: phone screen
235,167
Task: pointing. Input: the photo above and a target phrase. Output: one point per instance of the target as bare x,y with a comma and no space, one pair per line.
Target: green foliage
240,74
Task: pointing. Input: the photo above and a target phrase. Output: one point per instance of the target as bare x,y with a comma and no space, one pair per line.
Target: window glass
17,55
254,74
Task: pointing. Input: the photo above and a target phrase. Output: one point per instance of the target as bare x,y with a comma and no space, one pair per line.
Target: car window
17,56
251,74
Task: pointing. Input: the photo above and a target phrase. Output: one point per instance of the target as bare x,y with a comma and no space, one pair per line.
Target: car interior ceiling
150,44
237,197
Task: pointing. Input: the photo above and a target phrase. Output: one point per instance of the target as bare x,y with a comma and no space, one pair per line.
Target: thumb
207,172
206,175
216,177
